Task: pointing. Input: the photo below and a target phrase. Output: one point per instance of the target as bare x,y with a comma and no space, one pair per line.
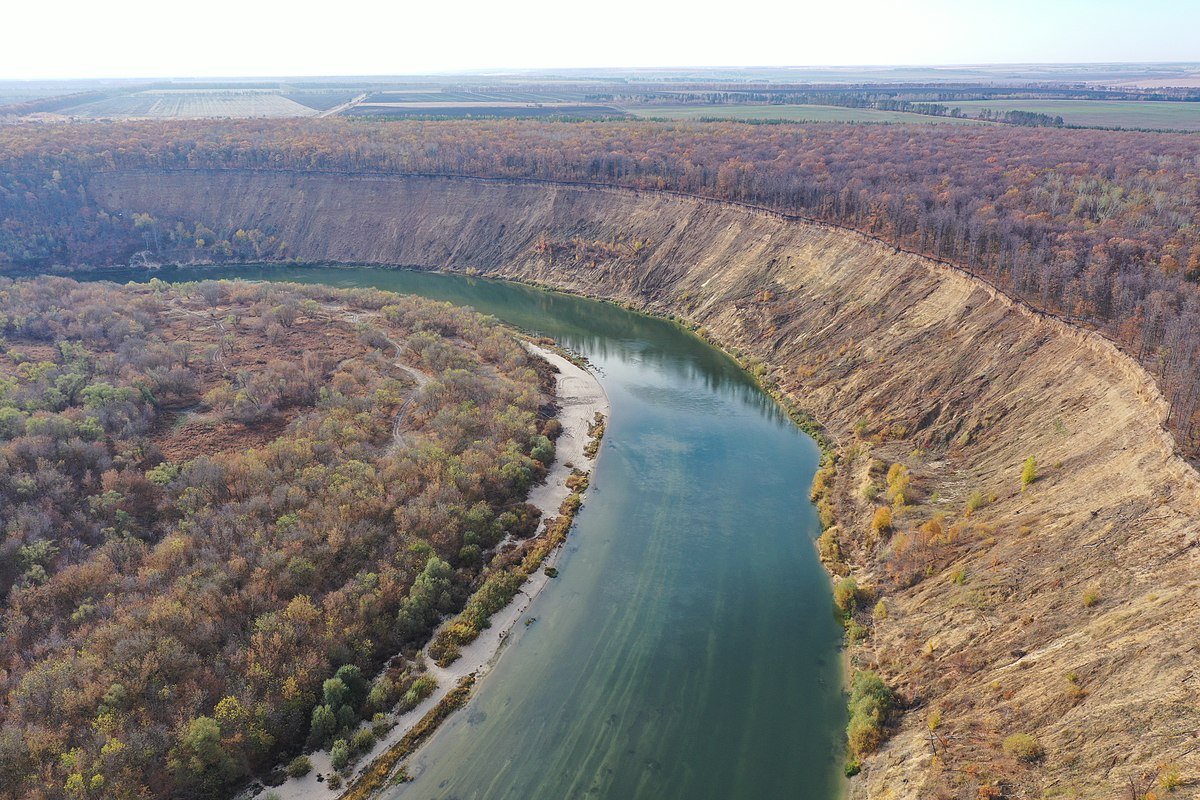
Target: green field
1101,113
790,113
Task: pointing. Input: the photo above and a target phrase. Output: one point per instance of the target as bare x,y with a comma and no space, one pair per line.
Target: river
688,650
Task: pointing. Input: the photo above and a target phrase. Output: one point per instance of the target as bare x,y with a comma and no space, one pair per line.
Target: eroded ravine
688,649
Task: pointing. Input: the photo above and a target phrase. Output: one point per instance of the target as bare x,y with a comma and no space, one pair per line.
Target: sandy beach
579,396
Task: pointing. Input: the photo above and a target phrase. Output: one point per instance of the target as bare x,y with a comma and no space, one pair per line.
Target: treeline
1027,118
173,626
50,104
1101,226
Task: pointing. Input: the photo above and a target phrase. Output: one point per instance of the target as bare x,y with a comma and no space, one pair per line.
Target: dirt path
422,379
333,112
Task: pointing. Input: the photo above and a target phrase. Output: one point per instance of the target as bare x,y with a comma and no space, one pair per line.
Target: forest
227,507
1097,226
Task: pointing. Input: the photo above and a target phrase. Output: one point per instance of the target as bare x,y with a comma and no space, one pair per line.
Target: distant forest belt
1016,602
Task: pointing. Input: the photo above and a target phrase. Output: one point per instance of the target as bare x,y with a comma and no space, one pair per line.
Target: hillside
1060,609
228,507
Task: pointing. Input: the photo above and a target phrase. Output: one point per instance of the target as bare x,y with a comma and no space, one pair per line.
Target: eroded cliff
1064,609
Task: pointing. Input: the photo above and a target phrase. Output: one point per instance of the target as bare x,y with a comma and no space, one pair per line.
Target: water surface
688,650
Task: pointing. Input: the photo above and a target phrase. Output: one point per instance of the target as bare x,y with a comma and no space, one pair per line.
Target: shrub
899,480
871,703
845,595
542,450
1029,472
881,523
975,502
829,545
1090,598
881,610
1024,747
339,754
825,511
422,687
823,480
363,740
299,767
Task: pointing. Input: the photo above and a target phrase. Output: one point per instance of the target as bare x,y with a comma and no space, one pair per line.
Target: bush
898,482
339,754
826,511
299,767
363,740
975,502
1024,747
845,595
881,523
829,546
542,449
422,687
1090,598
1029,472
871,703
823,480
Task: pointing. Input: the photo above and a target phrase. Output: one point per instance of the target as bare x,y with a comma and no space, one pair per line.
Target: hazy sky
164,38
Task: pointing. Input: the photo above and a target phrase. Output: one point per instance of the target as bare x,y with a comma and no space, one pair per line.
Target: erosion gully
688,650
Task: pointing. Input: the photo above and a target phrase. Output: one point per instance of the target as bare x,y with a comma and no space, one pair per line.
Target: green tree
324,726
339,754
202,765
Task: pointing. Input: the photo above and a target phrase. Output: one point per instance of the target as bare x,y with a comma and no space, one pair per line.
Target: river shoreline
580,397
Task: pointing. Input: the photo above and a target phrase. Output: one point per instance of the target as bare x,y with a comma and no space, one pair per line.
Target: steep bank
1062,611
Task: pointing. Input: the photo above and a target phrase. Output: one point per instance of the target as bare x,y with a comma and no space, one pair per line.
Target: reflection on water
688,650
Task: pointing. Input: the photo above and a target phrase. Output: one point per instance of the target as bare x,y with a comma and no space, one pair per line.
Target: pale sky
214,38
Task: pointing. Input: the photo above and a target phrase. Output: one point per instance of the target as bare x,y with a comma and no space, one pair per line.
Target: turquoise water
688,650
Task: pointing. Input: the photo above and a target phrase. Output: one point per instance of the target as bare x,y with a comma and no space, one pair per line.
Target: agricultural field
193,104
789,113
1157,115
490,110
322,100
435,95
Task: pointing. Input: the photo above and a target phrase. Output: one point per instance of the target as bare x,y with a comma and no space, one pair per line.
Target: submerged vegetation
219,525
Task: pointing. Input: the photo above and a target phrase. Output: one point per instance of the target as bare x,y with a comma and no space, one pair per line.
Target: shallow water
688,650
